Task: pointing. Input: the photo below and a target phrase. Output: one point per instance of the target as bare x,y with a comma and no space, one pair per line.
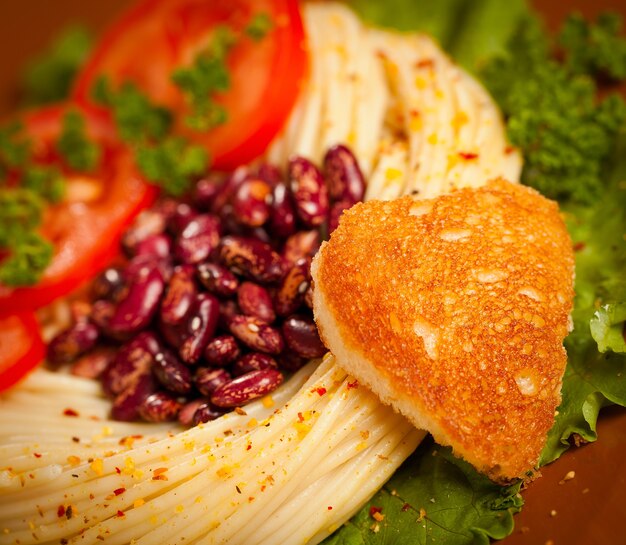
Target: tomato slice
86,227
154,38
21,348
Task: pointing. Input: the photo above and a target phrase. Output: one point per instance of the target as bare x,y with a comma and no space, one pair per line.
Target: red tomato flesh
150,41
21,348
85,232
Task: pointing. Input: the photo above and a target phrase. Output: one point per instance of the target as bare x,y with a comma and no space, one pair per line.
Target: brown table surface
587,510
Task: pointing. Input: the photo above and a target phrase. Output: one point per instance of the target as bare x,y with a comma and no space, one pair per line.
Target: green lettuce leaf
434,498
594,379
607,327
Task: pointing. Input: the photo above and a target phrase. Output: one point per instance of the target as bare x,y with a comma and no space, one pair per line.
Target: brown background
589,509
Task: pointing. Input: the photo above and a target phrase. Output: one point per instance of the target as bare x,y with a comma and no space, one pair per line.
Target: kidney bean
255,300
290,292
343,175
179,215
290,361
253,361
251,258
309,191
173,375
197,239
132,361
127,403
101,313
251,202
228,189
221,351
205,413
146,224
201,326
135,311
159,407
205,191
228,309
335,214
93,364
180,295
217,279
302,337
256,334
185,415
108,284
174,335
208,380
245,388
308,297
75,341
270,174
158,246
301,244
282,221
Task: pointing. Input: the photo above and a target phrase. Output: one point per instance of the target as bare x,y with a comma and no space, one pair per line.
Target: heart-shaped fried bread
454,310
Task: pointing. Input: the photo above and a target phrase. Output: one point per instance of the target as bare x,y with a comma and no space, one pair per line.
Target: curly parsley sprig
564,131
27,187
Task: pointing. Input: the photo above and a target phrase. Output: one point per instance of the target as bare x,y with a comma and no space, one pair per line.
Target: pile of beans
213,303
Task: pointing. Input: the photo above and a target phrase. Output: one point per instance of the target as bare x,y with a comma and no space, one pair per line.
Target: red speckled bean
221,351
208,380
309,192
253,361
160,407
197,239
303,244
245,388
180,295
255,300
217,279
251,258
201,326
343,175
251,202
256,334
290,293
301,336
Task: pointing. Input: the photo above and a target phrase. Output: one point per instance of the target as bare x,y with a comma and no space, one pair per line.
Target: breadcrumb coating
454,311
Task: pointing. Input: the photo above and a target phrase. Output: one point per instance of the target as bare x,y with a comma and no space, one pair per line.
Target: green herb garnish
77,150
172,163
49,77
259,26
553,115
594,49
28,254
137,119
207,76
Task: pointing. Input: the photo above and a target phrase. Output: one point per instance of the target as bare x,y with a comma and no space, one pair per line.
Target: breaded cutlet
453,310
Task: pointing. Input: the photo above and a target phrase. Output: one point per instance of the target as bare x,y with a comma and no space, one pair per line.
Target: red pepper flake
36,455
579,246
61,511
248,446
320,391
405,508
509,149
375,510
120,514
70,412
300,417
468,156
159,474
425,63
330,507
76,439
119,491
118,470
354,384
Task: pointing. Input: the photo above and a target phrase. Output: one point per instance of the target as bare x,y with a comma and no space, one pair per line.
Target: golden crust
454,310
